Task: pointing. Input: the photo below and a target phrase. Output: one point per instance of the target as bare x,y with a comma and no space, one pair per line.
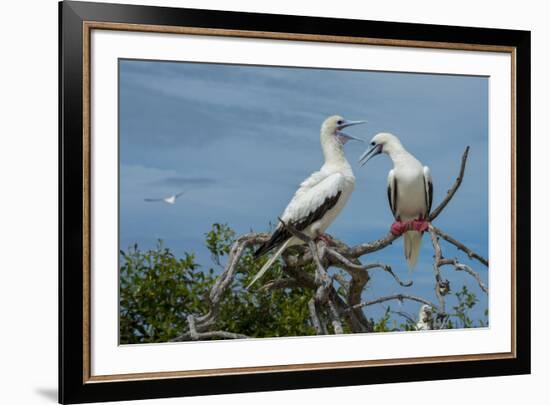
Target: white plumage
320,198
324,185
410,192
425,319
168,200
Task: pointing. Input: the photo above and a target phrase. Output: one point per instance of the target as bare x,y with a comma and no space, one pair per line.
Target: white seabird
425,319
320,197
410,192
168,200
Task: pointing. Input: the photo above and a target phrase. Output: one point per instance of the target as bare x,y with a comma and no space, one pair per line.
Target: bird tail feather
269,263
412,240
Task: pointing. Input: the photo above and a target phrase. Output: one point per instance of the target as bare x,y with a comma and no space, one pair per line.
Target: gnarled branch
215,334
463,267
442,287
398,297
451,192
471,254
353,268
342,307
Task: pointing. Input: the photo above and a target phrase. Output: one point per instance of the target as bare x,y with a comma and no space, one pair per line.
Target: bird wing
179,194
153,199
429,190
316,195
392,192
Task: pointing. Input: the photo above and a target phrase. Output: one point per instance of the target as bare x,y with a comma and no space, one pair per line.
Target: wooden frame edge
296,367
86,202
87,26
513,196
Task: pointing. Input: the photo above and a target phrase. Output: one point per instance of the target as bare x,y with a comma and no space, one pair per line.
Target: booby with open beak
410,192
320,198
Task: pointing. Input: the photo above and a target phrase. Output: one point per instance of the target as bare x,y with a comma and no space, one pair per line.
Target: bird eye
372,143
340,122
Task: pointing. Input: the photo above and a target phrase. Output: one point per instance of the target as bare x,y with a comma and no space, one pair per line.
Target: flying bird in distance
168,200
410,192
320,197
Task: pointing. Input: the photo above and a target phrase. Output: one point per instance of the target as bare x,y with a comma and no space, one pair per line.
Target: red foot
420,225
400,227
325,237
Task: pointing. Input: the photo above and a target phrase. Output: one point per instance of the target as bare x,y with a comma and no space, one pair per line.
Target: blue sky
240,139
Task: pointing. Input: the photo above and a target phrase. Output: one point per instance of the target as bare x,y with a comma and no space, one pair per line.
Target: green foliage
483,323
466,301
261,313
219,241
382,325
158,291
258,313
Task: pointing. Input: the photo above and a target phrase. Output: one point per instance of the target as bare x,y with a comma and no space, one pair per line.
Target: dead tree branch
322,279
439,261
463,267
279,284
344,307
216,334
352,267
471,254
192,334
451,192
398,297
315,318
442,286
335,318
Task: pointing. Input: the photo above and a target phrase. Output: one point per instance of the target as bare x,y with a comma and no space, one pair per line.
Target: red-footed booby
320,198
410,192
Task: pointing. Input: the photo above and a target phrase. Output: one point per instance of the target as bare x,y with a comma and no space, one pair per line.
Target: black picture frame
73,387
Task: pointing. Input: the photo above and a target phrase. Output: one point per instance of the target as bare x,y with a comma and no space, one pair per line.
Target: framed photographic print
255,202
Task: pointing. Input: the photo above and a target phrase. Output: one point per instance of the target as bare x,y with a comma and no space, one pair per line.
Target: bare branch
435,213
226,277
335,318
445,321
322,279
398,297
463,267
441,286
192,334
341,280
279,284
407,317
471,254
315,319
369,247
355,319
343,306
230,268
192,329
359,279
216,334
352,267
